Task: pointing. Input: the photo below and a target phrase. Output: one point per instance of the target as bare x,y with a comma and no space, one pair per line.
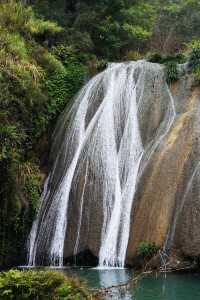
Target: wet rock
84,258
162,213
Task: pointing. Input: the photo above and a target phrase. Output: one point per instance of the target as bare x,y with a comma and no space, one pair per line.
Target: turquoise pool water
151,287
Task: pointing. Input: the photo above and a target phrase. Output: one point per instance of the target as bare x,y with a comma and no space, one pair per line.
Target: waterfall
96,153
126,161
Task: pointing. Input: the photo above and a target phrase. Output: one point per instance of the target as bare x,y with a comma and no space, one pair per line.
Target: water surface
151,287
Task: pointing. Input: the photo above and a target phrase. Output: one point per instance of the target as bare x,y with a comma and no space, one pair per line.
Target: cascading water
96,153
127,158
113,131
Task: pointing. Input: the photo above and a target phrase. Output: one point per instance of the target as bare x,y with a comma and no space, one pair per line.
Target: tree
71,6
177,22
115,26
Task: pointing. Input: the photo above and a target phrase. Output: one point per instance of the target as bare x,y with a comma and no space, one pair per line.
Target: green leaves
11,138
115,27
194,58
63,84
147,249
37,79
38,27
41,285
172,71
136,32
26,109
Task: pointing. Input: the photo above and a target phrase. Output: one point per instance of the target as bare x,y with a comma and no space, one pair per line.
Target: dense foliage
47,49
37,78
107,29
110,29
41,285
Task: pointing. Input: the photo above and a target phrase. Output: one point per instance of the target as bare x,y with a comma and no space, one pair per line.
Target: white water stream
103,135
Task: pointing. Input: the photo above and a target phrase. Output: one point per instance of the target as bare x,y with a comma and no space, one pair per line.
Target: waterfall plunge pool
169,286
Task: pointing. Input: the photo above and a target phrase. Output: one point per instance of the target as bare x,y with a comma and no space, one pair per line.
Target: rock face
167,205
165,208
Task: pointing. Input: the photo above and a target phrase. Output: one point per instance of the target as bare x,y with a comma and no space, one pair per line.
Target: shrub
194,53
194,58
133,55
155,58
41,285
170,61
63,84
39,27
147,249
172,71
11,138
196,73
178,58
193,50
96,65
15,16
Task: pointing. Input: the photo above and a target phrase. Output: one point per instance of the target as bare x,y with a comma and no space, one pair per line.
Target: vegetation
41,285
147,249
47,49
110,29
172,71
106,29
37,79
194,58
